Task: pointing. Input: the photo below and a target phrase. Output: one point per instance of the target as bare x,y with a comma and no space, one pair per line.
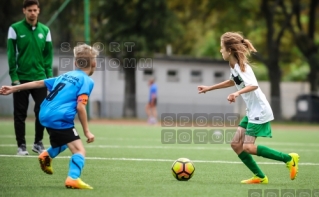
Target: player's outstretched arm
83,119
6,90
224,84
232,97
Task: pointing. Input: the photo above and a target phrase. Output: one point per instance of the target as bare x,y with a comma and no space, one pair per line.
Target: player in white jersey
256,123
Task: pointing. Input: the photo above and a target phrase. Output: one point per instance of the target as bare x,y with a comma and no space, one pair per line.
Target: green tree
69,24
276,27
203,22
11,12
214,18
65,28
140,27
303,29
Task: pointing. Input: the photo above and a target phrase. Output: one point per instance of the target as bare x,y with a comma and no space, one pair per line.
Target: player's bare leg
238,140
153,112
249,145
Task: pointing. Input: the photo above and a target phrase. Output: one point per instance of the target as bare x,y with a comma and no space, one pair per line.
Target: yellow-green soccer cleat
76,184
293,165
256,180
46,162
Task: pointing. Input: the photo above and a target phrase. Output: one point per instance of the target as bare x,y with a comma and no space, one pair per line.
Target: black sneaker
22,150
38,147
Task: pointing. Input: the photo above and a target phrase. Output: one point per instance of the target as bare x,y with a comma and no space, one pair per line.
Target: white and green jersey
258,109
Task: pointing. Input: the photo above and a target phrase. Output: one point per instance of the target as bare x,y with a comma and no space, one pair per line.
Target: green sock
249,161
272,154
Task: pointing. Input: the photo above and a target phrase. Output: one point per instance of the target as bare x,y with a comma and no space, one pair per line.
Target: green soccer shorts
256,130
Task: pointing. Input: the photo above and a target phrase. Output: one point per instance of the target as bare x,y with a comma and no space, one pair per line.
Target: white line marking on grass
289,144
159,147
159,141
159,160
175,147
142,147
190,147
100,138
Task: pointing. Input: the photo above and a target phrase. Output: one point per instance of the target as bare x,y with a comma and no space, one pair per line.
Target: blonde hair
84,55
239,47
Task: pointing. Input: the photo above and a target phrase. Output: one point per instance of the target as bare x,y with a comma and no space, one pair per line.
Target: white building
177,79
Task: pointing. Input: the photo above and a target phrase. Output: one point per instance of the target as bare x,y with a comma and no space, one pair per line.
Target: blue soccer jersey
153,91
58,109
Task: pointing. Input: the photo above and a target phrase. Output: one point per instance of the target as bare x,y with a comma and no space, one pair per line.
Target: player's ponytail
239,47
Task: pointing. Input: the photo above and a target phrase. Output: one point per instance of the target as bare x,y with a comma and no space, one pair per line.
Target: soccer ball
183,169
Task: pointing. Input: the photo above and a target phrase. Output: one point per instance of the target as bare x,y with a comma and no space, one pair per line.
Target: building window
196,76
172,76
219,76
148,74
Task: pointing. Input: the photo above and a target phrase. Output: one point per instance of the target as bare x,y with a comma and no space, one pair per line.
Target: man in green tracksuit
30,58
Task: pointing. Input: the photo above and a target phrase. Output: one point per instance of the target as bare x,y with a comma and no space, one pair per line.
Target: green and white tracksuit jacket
29,51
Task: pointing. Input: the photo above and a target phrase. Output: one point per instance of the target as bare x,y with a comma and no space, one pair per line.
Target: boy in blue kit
150,108
68,96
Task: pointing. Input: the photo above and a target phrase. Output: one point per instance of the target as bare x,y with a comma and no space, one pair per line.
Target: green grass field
130,160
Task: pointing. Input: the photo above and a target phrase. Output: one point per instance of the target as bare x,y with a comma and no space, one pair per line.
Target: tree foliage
11,12
302,26
283,31
145,25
